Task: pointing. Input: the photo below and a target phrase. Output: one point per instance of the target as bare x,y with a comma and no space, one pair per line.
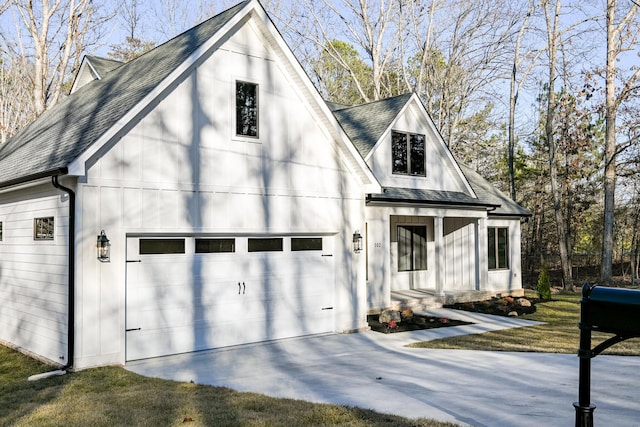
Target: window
412,247
498,248
270,244
161,246
43,228
407,150
210,246
247,109
306,243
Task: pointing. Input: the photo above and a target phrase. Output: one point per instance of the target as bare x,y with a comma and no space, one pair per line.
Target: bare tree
622,35
552,19
528,60
55,35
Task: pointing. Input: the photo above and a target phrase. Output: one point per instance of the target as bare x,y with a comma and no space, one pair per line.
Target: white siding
182,170
511,278
34,274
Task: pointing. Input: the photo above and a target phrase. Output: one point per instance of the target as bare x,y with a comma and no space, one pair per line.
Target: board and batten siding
181,170
34,273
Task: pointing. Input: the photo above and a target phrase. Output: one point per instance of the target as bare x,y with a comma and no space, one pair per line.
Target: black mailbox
611,310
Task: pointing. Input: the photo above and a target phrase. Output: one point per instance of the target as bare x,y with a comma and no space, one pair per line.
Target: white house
231,195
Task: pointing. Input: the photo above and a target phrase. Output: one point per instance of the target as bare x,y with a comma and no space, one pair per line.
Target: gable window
407,151
43,228
246,109
498,248
412,247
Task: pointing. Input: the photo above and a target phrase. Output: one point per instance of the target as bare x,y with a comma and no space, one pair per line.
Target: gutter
71,272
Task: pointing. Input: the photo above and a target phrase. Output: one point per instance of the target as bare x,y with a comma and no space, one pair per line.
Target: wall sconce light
104,248
357,242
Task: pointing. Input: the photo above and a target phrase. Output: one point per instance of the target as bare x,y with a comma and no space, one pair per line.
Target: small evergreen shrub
544,286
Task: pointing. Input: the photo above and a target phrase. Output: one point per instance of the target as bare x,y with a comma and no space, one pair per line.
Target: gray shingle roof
490,194
365,124
63,132
430,197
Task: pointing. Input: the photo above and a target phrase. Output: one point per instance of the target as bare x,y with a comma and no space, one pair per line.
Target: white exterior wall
507,279
34,274
460,267
181,170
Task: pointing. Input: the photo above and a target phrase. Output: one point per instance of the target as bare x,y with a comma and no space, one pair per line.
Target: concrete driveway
376,371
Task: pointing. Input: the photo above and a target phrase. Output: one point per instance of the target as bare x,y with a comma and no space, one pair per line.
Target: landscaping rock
388,315
513,314
523,302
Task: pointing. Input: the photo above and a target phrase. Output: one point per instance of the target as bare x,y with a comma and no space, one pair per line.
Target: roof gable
93,68
365,124
63,132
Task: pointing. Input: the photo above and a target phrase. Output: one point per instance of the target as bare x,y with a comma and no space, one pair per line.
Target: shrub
544,286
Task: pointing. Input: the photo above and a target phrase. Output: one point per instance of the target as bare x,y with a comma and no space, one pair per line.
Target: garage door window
214,246
306,243
271,244
161,246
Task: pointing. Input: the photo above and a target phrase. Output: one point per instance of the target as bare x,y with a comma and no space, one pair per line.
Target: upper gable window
407,151
246,109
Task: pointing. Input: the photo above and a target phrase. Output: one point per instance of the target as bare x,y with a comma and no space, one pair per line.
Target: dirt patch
411,322
507,306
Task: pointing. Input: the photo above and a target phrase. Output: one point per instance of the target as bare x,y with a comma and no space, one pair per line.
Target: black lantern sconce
357,242
104,248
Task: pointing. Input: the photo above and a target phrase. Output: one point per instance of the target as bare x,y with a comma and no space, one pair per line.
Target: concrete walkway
376,371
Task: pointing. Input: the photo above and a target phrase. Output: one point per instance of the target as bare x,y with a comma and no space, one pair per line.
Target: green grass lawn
559,334
113,396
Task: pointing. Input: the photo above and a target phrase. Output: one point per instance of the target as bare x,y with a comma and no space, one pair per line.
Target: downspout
71,297
72,267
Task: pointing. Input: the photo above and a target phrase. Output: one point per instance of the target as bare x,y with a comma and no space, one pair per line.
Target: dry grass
112,396
559,334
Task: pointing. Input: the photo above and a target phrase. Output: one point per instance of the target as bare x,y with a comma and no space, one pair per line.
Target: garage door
194,293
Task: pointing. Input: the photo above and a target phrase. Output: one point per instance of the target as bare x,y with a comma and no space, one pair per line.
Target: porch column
438,235
482,263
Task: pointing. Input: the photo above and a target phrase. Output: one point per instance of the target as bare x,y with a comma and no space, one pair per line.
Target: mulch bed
414,323
497,306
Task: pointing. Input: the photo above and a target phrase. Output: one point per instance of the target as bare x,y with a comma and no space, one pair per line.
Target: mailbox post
610,310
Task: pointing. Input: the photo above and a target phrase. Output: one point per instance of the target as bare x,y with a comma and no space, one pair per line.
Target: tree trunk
552,33
606,269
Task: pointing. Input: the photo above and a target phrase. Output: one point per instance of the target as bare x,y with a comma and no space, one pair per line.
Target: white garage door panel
186,302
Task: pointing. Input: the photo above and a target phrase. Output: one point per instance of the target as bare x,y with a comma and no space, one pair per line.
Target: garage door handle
134,260
133,329
327,254
244,288
239,288
327,308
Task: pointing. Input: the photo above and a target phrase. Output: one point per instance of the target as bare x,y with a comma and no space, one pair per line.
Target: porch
424,299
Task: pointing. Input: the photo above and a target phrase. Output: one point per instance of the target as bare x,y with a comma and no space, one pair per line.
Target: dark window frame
44,228
416,249
214,245
1,231
265,244
408,154
299,244
247,109
498,248
150,249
